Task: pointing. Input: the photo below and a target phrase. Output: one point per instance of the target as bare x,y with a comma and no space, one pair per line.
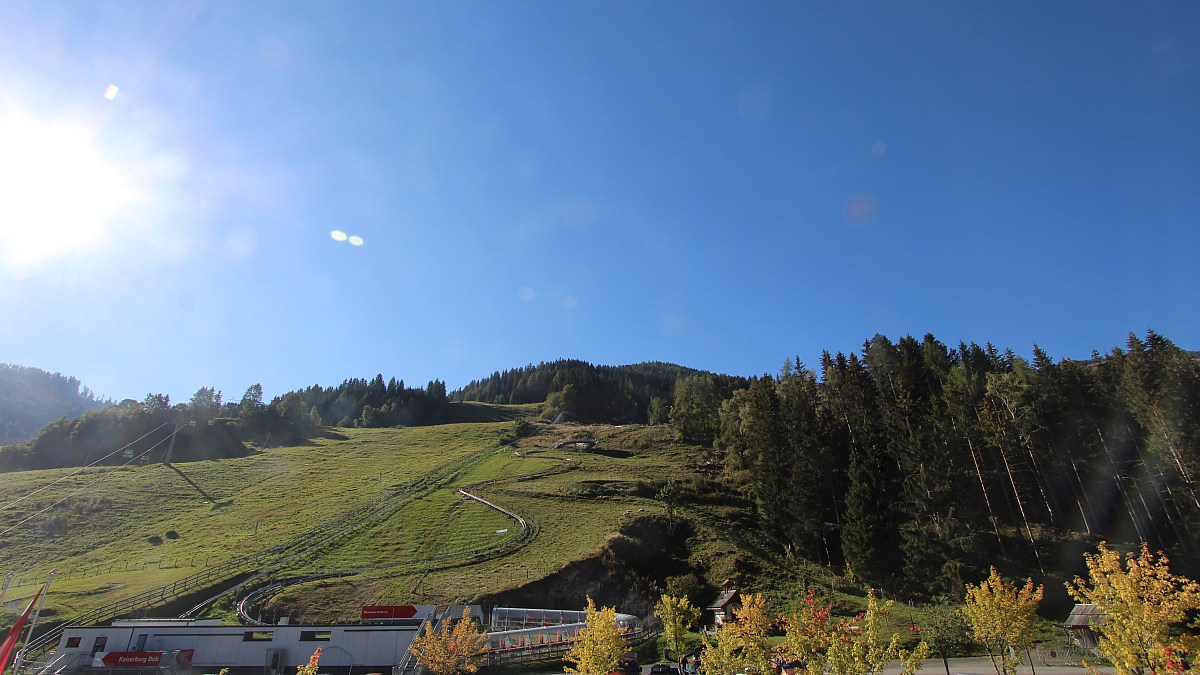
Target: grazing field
113,532
577,500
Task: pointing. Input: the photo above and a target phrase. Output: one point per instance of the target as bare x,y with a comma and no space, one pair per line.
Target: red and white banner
10,641
127,659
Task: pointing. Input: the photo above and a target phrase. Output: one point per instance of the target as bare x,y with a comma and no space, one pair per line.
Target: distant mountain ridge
31,398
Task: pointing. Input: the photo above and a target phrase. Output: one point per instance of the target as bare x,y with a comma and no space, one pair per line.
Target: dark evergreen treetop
585,391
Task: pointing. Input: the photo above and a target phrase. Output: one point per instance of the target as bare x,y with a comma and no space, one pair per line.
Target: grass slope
113,532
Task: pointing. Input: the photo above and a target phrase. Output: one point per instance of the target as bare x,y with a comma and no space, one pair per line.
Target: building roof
723,600
1083,616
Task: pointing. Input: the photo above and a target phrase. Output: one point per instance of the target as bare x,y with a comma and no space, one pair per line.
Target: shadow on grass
616,454
193,483
465,412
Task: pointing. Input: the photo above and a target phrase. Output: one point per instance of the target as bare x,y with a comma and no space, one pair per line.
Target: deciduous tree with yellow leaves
863,652
309,668
1001,617
811,629
451,650
678,616
1141,600
836,647
599,647
741,644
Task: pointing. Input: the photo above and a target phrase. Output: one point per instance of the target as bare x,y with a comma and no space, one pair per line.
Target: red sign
132,659
377,612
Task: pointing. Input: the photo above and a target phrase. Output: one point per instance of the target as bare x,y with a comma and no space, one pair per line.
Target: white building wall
218,647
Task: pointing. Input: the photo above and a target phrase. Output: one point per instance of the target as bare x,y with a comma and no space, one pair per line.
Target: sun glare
58,194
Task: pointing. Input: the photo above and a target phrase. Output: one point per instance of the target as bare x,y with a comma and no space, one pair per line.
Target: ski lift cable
80,469
81,489
35,515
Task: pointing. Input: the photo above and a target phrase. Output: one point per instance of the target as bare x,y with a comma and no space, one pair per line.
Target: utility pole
4,591
171,447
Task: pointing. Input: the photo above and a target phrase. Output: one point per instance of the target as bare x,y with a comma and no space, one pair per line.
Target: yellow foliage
310,668
678,615
1140,599
810,632
835,647
450,650
1001,617
721,655
599,647
741,644
861,652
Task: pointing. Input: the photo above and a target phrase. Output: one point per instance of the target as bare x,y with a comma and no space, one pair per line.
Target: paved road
979,666
983,666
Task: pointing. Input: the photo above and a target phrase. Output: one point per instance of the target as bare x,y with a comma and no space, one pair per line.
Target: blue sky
721,185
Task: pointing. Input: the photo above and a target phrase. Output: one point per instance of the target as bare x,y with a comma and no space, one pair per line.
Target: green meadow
115,532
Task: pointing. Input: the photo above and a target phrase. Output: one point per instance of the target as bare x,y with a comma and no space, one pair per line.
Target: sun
59,193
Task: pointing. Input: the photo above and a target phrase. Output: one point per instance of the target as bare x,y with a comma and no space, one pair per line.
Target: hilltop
30,398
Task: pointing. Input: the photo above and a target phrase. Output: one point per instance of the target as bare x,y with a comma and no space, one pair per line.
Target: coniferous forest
915,465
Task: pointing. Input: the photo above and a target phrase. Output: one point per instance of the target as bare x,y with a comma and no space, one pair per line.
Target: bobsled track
517,634
257,575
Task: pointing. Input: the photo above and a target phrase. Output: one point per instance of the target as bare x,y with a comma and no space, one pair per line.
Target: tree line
637,393
208,426
31,397
913,465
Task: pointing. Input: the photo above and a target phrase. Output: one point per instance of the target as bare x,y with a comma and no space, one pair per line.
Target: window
314,636
258,636
72,642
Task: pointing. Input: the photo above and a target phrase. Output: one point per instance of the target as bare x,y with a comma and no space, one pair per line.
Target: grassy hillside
114,532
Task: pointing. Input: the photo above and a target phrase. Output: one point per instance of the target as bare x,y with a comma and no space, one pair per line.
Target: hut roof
723,600
1084,615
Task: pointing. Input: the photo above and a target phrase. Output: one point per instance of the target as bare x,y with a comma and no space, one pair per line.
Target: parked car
629,664
664,669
